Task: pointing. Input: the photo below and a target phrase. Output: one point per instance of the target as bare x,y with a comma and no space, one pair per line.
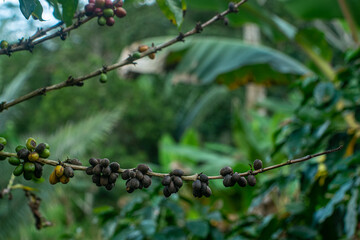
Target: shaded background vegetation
196,110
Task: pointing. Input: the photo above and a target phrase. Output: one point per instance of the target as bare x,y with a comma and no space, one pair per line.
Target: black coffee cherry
134,183
68,172
106,171
126,174
177,172
130,190
242,182
196,185
166,180
207,192
197,193
104,180
166,192
97,169
2,146
113,177
232,7
132,174
89,171
251,180
23,153
115,167
139,175
146,181
38,170
104,162
203,187
258,164
143,168
225,171
172,187
109,186
228,181
96,179
93,162
203,178
177,181
235,177
40,148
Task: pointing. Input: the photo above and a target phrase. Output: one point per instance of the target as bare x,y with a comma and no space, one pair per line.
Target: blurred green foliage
192,112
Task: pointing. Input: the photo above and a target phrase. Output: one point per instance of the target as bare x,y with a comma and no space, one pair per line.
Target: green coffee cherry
2,158
103,78
14,161
47,146
45,153
102,21
136,55
4,44
108,12
18,148
18,170
28,175
31,144
3,141
29,167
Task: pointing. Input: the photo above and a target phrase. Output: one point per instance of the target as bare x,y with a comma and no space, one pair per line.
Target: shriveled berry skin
177,172
30,144
115,167
40,148
258,164
251,180
166,180
242,182
93,162
23,153
143,168
225,171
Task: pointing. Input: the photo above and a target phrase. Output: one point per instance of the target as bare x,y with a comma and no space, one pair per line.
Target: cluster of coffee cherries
137,178
105,10
103,172
172,182
26,159
142,48
61,174
231,178
201,186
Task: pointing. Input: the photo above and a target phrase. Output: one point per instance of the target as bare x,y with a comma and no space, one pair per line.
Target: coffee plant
299,96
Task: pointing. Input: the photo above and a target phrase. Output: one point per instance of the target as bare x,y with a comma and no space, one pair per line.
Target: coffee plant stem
189,177
79,80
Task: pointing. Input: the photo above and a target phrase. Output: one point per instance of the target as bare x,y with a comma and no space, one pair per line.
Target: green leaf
38,11
173,10
76,139
68,10
27,7
321,9
209,57
351,216
324,92
198,228
323,213
55,5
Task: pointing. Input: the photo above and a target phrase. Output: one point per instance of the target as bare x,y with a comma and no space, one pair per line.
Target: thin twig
40,36
79,80
189,177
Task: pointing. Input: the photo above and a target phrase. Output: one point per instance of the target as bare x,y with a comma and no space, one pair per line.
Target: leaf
15,88
323,213
198,228
173,10
27,7
351,216
207,58
37,13
75,139
68,10
324,92
201,108
321,9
